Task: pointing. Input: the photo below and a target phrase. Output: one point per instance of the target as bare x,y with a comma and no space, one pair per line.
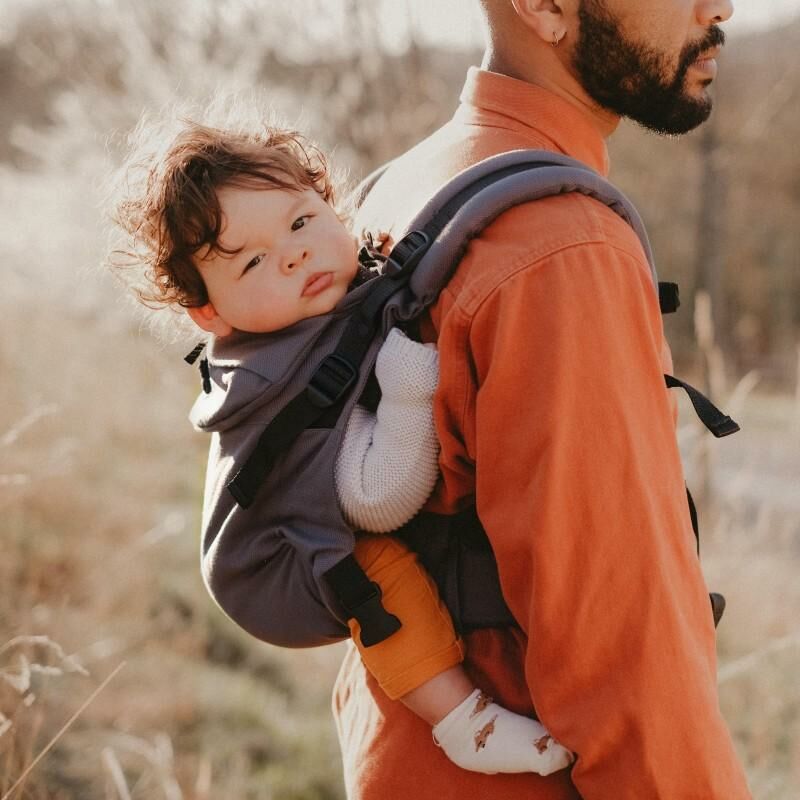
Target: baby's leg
420,666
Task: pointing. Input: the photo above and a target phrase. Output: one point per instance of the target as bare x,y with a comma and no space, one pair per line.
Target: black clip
205,373
190,358
406,254
375,621
332,378
669,297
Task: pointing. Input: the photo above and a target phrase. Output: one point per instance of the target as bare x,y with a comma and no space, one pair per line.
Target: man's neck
553,76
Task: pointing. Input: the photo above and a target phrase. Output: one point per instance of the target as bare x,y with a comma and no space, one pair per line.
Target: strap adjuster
375,622
669,298
360,599
332,378
406,254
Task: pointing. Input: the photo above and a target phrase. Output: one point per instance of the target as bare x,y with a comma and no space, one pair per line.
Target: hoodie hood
250,370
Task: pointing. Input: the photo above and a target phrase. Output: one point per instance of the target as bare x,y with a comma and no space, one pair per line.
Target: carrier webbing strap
718,423
693,516
329,385
716,599
361,599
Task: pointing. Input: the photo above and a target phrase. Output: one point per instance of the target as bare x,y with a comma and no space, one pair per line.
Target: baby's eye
253,262
300,222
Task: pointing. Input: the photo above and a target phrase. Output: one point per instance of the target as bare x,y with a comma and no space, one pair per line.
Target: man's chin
694,109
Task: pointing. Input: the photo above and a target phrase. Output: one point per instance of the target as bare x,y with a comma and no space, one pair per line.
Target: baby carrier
277,553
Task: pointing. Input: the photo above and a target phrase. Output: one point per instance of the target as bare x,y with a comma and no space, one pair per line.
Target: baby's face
297,258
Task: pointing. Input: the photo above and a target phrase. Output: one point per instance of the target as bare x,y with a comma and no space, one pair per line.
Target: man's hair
169,207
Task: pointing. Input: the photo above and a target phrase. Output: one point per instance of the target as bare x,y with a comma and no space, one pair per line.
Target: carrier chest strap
329,386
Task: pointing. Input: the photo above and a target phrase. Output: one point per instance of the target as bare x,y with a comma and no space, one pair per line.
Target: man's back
552,415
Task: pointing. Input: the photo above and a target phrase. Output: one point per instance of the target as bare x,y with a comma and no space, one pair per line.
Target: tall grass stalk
20,780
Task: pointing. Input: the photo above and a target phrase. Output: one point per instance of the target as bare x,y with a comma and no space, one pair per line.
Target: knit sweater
387,465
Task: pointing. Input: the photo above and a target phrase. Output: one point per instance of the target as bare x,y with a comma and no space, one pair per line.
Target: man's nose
714,12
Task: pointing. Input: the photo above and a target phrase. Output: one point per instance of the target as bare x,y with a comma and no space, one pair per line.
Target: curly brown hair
170,210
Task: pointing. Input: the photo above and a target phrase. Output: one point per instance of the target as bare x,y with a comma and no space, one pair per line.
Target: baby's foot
481,736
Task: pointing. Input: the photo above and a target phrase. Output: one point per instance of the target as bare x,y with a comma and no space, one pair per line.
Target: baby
240,230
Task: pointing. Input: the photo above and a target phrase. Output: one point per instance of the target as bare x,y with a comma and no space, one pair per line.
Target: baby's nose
296,259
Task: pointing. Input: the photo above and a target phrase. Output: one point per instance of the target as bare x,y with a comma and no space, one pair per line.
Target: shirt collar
551,121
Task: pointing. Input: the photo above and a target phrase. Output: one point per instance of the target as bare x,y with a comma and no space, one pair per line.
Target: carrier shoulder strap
474,198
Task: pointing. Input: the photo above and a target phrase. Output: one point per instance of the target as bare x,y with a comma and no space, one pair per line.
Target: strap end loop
725,427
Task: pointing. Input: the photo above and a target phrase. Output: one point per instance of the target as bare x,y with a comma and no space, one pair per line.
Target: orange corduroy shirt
554,418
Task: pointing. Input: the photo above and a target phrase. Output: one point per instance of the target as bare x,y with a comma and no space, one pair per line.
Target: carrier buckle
376,623
332,378
406,254
669,297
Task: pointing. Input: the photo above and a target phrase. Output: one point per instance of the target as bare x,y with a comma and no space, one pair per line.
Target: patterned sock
481,736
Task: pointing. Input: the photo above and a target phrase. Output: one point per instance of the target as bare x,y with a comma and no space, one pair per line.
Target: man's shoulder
527,237
519,239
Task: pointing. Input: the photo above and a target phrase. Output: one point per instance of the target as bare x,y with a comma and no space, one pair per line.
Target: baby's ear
206,318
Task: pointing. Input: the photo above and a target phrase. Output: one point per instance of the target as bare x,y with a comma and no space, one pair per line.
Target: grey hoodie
263,565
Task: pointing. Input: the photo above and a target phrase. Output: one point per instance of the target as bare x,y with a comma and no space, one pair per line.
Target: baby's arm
388,462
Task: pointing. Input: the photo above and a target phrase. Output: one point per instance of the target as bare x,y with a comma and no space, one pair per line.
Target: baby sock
481,736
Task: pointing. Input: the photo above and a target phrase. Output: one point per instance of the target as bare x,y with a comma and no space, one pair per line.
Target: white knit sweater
388,462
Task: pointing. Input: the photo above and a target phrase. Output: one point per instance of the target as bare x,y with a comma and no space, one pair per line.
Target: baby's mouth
316,283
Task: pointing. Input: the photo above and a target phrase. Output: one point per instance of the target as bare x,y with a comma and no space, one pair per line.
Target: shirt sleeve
388,462
580,488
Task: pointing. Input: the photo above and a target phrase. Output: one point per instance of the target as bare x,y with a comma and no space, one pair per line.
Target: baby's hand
405,369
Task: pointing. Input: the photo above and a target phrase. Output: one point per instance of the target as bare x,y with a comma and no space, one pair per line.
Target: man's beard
633,80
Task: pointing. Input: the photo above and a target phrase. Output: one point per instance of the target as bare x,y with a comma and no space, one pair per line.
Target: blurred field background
100,473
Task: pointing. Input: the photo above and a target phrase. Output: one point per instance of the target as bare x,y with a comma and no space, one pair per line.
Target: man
553,417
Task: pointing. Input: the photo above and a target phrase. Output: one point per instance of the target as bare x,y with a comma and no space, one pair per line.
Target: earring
556,40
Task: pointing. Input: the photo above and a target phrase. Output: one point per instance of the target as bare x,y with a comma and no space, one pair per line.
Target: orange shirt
553,416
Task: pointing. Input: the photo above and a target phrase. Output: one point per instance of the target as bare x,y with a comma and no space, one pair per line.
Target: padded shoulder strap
438,236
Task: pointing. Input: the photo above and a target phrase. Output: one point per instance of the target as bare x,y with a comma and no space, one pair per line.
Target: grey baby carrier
277,553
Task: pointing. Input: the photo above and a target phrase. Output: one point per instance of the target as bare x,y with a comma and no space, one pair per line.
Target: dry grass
100,489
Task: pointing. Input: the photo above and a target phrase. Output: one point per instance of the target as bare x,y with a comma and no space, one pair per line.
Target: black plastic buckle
190,358
406,254
669,297
205,374
332,378
376,623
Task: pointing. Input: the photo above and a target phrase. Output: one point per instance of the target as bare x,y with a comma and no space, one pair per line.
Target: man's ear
206,318
545,18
